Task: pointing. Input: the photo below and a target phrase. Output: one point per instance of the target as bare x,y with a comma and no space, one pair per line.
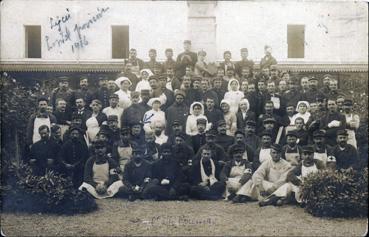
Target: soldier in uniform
137,64
103,93
244,63
187,58
152,64
268,59
63,92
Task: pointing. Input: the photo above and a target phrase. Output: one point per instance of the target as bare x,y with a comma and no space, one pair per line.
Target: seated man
236,173
43,153
262,154
222,138
294,179
136,176
346,155
291,151
183,153
204,178
167,183
248,153
151,149
101,178
267,178
73,155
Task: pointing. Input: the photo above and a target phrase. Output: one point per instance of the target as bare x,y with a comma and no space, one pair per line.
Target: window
120,41
296,41
33,41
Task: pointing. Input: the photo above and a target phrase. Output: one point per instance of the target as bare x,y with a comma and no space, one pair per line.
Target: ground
119,217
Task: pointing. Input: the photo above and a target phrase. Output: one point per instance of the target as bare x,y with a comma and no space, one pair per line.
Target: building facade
96,35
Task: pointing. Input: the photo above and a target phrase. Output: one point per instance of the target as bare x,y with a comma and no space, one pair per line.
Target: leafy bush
51,193
343,193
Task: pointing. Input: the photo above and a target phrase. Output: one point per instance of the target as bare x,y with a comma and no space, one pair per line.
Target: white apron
92,128
323,157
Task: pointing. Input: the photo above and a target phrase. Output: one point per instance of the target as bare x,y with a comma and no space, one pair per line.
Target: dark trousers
213,192
166,192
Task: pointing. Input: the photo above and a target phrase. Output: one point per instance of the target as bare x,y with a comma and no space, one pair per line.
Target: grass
117,217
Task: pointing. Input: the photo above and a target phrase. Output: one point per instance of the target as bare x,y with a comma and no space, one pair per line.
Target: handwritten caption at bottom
180,220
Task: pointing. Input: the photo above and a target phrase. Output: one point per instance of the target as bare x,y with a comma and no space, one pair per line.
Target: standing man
169,63
41,117
187,58
152,64
114,109
177,111
137,64
103,93
244,63
268,60
84,92
63,92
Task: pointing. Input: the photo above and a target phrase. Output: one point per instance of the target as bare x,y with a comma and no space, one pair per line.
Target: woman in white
196,112
95,121
124,93
234,95
302,109
144,84
153,115
229,117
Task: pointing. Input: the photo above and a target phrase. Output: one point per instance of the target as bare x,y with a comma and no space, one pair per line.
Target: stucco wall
334,32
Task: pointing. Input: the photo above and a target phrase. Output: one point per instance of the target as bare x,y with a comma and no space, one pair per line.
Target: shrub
51,193
343,193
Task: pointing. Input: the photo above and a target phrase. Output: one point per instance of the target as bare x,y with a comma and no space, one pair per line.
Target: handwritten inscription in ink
68,31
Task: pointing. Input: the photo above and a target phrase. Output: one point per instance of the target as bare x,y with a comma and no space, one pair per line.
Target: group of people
180,129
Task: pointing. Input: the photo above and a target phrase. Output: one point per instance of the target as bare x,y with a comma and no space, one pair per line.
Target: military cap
75,128
196,78
319,97
112,118
135,94
276,147
269,120
114,96
342,132
221,122
166,147
125,130
319,133
169,50
244,50
266,133
201,121
187,42
211,133
152,50
239,131
273,67
348,102
291,133
180,92
99,143
307,149
238,149
103,78
153,77
312,79
63,78
145,92
251,123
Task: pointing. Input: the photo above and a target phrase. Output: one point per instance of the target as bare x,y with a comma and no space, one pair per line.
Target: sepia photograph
184,118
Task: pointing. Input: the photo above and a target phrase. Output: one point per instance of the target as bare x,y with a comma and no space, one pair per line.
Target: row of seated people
176,172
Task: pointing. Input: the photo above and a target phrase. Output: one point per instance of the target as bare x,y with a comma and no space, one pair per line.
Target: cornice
118,65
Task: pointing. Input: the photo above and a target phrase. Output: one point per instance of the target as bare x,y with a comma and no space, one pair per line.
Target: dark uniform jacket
132,114
167,169
195,172
133,175
41,151
224,141
241,121
346,158
103,94
182,62
176,112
